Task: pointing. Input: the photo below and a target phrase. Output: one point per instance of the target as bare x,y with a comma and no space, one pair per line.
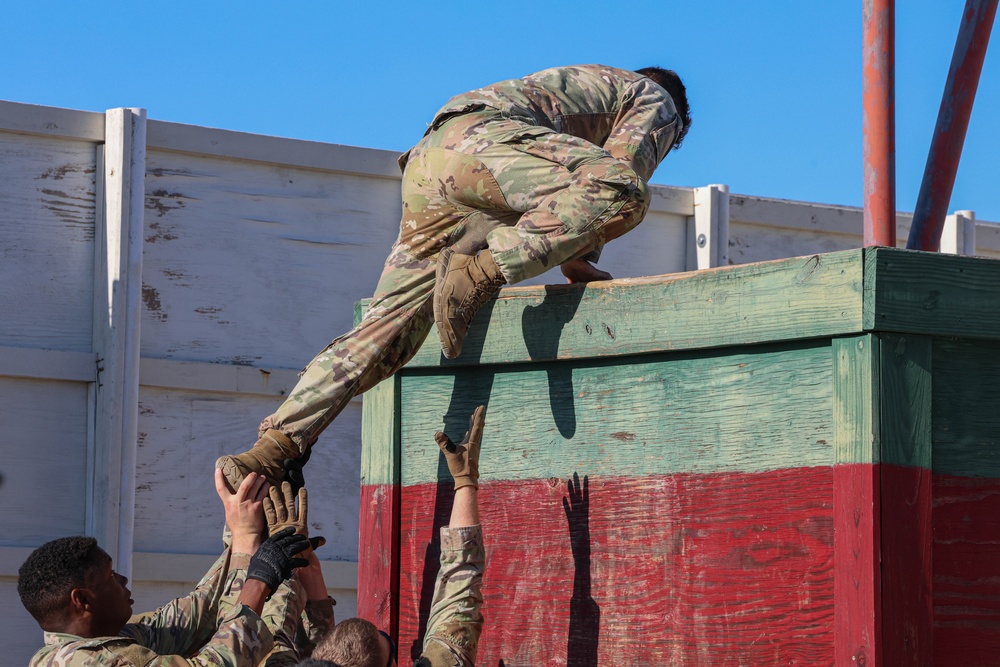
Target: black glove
273,562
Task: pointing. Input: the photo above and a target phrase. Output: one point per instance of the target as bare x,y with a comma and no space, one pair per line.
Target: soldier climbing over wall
508,181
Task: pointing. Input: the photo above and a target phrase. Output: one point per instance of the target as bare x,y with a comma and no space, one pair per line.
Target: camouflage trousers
535,197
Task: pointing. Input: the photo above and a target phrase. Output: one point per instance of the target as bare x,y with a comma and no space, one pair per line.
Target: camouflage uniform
204,628
452,638
541,170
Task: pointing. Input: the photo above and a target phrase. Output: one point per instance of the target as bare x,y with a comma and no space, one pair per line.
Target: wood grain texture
966,517
965,420
44,486
181,433
762,408
686,569
379,529
856,498
816,296
907,531
47,244
909,291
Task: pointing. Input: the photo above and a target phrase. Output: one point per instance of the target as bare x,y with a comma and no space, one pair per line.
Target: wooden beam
118,276
378,551
51,121
216,378
909,291
20,362
816,296
708,228
856,498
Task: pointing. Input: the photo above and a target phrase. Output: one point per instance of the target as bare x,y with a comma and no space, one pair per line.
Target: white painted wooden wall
161,285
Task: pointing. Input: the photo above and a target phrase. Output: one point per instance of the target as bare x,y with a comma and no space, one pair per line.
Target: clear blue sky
775,86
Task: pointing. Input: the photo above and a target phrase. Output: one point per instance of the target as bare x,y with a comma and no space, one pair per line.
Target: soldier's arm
455,621
645,131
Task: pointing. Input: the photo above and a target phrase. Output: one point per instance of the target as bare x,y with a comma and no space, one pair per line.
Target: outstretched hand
582,271
244,509
463,458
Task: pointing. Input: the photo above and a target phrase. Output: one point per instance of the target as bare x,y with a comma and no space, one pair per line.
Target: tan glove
279,508
463,458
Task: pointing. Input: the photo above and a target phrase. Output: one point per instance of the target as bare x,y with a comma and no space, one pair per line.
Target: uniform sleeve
281,615
184,625
455,621
646,129
241,640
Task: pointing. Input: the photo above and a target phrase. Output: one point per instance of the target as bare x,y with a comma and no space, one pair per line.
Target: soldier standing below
84,606
508,181
455,623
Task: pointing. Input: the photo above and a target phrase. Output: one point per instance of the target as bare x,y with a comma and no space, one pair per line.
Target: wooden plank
907,532
189,568
378,550
43,488
965,421
747,410
22,636
51,121
716,569
817,219
908,291
858,632
48,364
118,276
49,201
817,296
215,378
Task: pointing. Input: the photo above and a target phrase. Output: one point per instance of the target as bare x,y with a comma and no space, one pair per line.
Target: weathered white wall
253,251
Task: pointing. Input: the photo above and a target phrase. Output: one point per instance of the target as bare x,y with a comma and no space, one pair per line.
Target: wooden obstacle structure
791,462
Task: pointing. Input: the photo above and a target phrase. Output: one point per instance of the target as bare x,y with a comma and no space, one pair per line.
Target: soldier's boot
267,457
463,284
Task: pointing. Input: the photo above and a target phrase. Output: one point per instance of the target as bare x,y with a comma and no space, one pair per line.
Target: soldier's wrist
246,544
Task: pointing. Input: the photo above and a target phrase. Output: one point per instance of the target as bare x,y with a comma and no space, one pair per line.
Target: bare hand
245,508
582,271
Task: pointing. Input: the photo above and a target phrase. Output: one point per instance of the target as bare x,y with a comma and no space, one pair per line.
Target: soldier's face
112,600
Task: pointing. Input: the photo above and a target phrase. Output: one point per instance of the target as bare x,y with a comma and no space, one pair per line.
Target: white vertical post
958,236
118,281
708,229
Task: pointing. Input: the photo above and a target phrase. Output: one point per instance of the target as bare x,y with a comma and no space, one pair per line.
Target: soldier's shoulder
97,652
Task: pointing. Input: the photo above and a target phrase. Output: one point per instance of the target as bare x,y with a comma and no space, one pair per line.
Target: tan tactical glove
463,458
279,508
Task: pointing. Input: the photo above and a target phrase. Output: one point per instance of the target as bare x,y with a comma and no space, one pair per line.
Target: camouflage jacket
627,114
455,623
183,633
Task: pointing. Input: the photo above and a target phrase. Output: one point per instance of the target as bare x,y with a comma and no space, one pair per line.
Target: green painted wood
756,409
791,299
380,433
905,383
965,418
930,293
856,399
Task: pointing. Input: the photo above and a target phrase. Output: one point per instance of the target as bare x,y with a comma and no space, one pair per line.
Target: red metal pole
879,122
952,122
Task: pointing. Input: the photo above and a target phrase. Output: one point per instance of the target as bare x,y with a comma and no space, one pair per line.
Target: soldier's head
671,82
356,643
69,585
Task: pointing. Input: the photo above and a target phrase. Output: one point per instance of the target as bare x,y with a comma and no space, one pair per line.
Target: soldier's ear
81,600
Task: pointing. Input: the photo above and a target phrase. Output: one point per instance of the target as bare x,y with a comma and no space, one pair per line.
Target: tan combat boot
463,284
266,458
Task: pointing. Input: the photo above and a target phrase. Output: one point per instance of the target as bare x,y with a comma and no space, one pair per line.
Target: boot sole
231,471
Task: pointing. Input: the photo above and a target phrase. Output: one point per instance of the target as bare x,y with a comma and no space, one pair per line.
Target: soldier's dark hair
52,570
671,82
354,642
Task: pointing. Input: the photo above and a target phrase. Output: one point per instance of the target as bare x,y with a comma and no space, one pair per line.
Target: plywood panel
760,409
44,473
47,242
180,436
246,263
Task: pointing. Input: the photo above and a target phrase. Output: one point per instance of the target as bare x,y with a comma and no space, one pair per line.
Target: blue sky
775,87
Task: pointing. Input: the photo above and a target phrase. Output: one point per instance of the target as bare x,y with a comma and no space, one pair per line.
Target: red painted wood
378,567
907,547
966,518
857,584
683,569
